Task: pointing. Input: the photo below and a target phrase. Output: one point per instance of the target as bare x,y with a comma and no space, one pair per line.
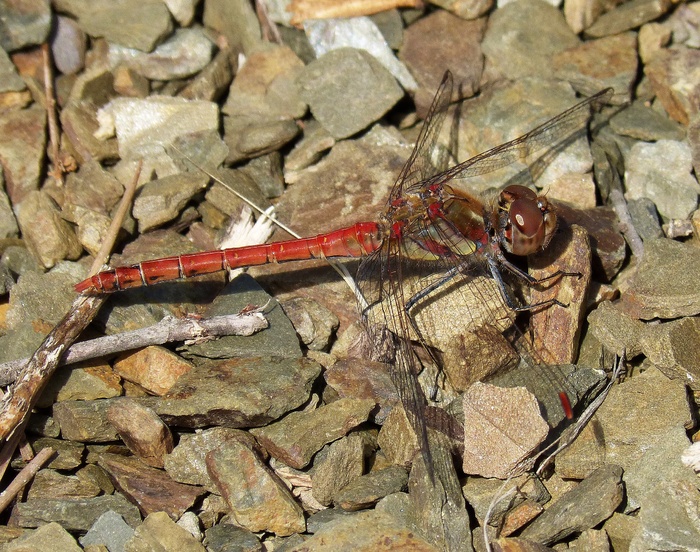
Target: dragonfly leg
495,273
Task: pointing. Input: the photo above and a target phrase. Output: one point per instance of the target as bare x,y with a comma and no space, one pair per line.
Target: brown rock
365,491
343,461
151,489
671,74
300,435
85,420
154,368
502,428
259,501
159,532
22,145
141,430
424,53
51,484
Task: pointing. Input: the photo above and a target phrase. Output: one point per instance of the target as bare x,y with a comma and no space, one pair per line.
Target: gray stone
162,200
183,54
231,538
48,483
8,222
628,16
236,20
68,45
618,332
589,503
130,23
670,185
664,286
644,123
326,35
336,466
75,514
110,530
315,324
645,218
515,44
365,491
85,420
10,81
24,24
347,90
48,236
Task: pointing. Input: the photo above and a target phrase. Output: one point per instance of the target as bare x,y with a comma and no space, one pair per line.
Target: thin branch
619,205
169,329
23,477
54,134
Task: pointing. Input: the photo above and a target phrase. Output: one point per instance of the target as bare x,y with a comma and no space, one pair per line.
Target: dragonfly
432,233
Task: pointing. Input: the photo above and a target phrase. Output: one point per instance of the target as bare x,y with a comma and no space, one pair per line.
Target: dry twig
167,330
54,135
24,477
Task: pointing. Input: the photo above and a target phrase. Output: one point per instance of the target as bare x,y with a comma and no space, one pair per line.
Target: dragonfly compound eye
528,229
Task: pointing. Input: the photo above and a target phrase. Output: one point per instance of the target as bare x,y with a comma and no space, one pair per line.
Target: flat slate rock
240,392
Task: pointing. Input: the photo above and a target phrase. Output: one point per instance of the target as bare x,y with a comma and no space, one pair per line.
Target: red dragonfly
431,233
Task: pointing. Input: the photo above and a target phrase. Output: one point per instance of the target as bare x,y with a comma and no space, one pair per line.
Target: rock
238,392
502,428
365,491
127,82
80,123
480,494
24,24
307,151
672,348
130,23
236,21
591,502
22,146
437,506
618,333
47,537
81,384
631,424
669,521
556,329
347,90
141,430
661,288
109,530
262,138
424,53
343,461
397,439
151,489
266,172
645,218
258,499
161,201
213,81
51,484
671,185
597,64
314,323
92,188
644,123
187,461
621,529
73,514
297,437
8,222
578,190
280,340
516,47
363,379
156,369
10,80
670,75
183,54
361,32
48,236
225,537
629,16
159,532
68,455
365,532
145,127
68,45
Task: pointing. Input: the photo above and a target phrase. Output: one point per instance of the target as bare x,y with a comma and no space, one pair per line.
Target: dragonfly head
526,220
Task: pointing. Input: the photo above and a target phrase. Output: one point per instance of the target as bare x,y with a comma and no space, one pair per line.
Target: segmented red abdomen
354,241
